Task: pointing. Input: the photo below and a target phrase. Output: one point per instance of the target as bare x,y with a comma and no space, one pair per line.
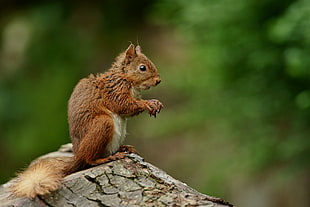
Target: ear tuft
138,49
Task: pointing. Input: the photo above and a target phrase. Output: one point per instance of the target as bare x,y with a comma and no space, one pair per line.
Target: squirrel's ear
138,49
130,52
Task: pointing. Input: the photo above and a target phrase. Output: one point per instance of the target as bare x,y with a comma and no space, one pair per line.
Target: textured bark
127,182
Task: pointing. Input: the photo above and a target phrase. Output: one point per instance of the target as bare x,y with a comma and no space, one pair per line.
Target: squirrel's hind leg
94,145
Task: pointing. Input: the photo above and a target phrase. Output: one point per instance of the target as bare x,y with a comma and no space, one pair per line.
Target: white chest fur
119,132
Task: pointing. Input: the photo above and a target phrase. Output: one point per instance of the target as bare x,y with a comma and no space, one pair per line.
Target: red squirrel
97,114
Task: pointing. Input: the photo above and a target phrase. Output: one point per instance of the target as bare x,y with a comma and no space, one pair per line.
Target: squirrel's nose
157,81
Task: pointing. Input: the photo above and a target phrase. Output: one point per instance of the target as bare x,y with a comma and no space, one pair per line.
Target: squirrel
97,114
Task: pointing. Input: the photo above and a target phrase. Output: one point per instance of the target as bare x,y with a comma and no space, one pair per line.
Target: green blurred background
235,85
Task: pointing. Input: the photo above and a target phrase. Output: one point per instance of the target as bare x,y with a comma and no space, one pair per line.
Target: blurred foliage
253,58
248,77
235,87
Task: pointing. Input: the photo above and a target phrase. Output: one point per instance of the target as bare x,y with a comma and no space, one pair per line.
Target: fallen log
126,182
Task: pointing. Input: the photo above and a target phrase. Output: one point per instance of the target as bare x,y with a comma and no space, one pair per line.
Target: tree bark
126,182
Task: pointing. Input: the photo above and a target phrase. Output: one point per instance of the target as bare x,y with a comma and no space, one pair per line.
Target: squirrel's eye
142,67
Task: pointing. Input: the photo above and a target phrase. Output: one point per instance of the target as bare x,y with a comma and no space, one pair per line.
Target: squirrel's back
83,106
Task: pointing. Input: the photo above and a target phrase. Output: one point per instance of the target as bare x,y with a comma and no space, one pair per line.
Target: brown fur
96,104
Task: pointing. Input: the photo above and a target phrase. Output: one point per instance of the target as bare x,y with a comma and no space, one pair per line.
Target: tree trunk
126,182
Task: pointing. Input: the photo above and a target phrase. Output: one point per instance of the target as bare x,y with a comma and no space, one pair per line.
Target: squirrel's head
137,68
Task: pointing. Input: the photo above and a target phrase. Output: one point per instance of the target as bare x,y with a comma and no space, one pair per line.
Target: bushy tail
41,177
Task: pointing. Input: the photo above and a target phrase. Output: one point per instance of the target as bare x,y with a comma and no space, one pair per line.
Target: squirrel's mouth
151,82
144,87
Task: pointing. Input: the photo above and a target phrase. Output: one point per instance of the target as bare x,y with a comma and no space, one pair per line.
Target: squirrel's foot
122,152
128,149
116,156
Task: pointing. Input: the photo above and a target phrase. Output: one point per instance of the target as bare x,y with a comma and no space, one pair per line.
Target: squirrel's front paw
154,106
